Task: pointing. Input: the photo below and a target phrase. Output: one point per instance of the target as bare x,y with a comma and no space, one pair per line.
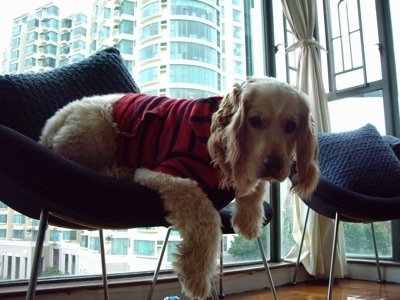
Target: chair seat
81,196
329,198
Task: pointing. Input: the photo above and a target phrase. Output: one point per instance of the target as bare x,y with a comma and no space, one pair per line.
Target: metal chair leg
267,270
301,248
157,271
334,249
103,264
221,269
376,254
44,220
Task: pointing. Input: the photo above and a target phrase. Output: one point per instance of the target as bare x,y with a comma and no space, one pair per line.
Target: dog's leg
199,225
248,217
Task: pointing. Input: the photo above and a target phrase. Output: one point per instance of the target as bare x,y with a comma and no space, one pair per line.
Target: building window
194,29
79,31
16,30
127,7
79,45
197,9
126,26
69,235
149,31
14,54
148,52
15,42
18,219
94,243
194,51
55,235
119,246
144,248
150,74
126,46
49,62
171,250
50,49
18,234
30,49
32,23
32,36
13,67
150,10
3,219
84,241
194,74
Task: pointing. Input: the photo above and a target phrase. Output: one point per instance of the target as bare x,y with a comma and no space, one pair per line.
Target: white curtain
317,246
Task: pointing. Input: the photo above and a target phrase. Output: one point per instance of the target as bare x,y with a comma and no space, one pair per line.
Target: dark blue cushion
361,161
27,100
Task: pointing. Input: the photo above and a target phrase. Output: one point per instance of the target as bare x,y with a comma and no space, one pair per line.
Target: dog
185,148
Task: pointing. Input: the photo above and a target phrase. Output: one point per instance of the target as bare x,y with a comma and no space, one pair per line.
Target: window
55,235
126,46
203,51
79,31
15,42
194,29
30,62
148,52
144,248
94,243
149,74
18,219
30,49
69,235
32,36
119,246
149,31
18,234
194,51
150,9
127,7
33,23
3,219
194,74
50,49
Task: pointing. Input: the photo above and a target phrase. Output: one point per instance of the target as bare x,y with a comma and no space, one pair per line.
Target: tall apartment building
180,48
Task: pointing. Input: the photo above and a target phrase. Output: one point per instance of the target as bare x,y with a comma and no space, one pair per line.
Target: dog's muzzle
273,165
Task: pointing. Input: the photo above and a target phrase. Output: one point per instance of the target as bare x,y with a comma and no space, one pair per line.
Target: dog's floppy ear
227,134
306,159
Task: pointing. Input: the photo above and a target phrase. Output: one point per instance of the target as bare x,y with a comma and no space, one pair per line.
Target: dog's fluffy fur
259,129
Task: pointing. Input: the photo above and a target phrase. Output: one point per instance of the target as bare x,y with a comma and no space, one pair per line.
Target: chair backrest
27,100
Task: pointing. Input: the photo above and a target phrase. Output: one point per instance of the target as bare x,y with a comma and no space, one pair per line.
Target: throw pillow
27,100
361,161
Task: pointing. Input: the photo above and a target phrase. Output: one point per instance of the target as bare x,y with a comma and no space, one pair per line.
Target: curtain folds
317,246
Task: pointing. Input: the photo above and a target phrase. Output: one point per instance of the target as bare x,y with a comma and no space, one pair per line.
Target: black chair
226,215
370,165
44,185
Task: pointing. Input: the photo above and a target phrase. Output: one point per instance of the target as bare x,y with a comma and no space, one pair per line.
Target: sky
16,8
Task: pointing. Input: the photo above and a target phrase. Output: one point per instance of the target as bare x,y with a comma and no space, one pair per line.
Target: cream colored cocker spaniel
183,149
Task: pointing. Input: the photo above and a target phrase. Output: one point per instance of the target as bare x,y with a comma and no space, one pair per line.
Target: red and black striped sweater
167,135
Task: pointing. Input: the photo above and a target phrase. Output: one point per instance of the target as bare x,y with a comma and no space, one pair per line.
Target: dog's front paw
246,225
195,287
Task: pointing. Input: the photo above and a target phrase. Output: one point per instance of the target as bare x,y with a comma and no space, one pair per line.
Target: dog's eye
255,122
290,127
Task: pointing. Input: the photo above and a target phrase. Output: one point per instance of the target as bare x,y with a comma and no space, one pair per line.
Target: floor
317,290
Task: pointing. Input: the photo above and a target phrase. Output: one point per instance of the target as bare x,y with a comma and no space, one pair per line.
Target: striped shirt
167,135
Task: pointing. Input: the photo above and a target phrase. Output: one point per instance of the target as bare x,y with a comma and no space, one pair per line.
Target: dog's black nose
273,164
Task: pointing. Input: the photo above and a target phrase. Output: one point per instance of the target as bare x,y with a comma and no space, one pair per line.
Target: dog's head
260,128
